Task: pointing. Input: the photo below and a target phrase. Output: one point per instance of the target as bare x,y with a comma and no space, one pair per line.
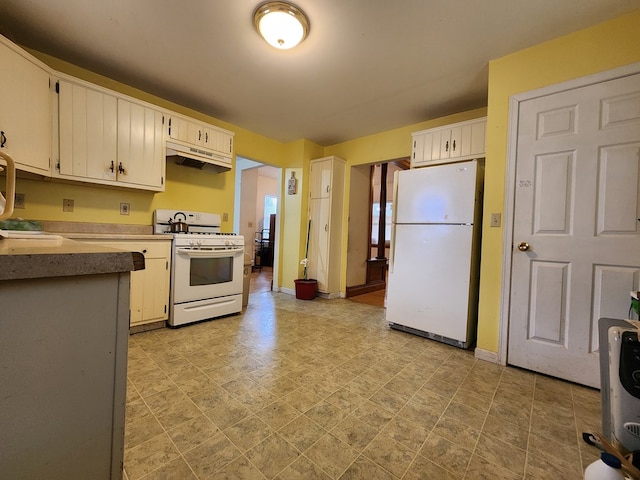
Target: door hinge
166,266
165,309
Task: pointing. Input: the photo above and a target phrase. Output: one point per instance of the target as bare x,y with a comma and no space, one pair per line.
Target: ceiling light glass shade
281,24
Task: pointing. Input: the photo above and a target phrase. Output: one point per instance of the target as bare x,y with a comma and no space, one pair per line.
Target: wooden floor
261,281
377,298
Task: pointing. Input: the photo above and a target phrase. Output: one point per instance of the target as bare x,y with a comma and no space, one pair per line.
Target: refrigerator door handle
392,250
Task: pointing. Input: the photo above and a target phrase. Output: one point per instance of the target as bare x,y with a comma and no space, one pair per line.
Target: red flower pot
306,289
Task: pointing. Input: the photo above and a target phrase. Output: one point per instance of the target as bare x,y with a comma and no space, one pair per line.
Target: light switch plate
496,219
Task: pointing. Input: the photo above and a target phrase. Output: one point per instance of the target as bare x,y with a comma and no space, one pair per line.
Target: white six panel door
576,221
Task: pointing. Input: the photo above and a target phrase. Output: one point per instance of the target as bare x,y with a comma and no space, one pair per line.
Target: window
375,217
270,207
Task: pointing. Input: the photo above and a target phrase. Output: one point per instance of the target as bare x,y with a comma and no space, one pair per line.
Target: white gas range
206,266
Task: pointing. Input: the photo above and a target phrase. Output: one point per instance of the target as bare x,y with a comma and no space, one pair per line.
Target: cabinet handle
144,251
112,167
230,145
169,126
3,139
199,135
326,227
454,145
327,188
121,168
446,146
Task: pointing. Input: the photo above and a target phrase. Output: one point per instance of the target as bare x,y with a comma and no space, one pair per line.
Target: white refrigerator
434,260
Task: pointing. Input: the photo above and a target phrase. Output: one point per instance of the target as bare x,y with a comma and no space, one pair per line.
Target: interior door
575,228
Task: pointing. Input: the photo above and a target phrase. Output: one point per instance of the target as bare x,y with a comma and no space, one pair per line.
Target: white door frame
510,179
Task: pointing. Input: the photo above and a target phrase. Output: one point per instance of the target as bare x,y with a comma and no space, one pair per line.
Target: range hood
194,157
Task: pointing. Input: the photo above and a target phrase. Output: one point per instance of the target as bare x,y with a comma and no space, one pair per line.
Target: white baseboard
486,355
288,291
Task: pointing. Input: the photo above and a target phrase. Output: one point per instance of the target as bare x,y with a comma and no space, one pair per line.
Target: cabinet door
195,133
177,128
445,144
436,144
473,139
88,133
320,178
319,242
25,112
156,289
422,149
140,145
477,142
218,141
455,143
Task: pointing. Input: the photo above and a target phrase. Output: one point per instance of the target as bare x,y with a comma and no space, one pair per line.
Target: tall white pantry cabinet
326,207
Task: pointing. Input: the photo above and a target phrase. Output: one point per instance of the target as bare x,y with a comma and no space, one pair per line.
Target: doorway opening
369,235
257,208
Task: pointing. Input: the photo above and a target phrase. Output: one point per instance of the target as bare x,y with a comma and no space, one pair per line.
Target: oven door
207,272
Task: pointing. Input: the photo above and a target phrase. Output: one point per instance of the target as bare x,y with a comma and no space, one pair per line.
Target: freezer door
429,279
437,194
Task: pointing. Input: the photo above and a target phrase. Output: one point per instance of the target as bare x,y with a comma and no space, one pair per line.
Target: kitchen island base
63,355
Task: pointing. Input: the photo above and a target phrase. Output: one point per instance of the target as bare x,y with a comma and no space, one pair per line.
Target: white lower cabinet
451,143
326,208
149,287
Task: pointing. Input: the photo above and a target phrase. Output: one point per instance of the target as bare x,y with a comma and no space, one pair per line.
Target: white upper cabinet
141,151
194,133
107,138
87,123
321,178
25,109
451,143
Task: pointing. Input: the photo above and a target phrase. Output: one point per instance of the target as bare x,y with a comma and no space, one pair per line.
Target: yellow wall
595,49
602,47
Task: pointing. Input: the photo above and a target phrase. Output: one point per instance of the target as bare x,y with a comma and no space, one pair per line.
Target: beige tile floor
323,389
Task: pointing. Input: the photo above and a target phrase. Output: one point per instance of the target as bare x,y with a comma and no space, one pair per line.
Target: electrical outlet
225,217
67,205
496,218
124,209
19,201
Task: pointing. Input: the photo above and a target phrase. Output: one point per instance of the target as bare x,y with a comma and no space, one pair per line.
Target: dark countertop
54,256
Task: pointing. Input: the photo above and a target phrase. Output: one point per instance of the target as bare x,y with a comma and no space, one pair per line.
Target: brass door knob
523,246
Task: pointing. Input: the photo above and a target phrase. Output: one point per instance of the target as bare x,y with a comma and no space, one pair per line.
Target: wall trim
486,355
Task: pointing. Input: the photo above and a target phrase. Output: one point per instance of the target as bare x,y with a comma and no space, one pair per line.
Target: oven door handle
213,253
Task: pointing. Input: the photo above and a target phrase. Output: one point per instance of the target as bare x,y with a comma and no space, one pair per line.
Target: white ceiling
366,67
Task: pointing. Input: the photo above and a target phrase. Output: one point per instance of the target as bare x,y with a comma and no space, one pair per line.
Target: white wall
255,183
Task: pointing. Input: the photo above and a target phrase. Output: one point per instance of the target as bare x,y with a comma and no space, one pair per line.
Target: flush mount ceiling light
281,24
